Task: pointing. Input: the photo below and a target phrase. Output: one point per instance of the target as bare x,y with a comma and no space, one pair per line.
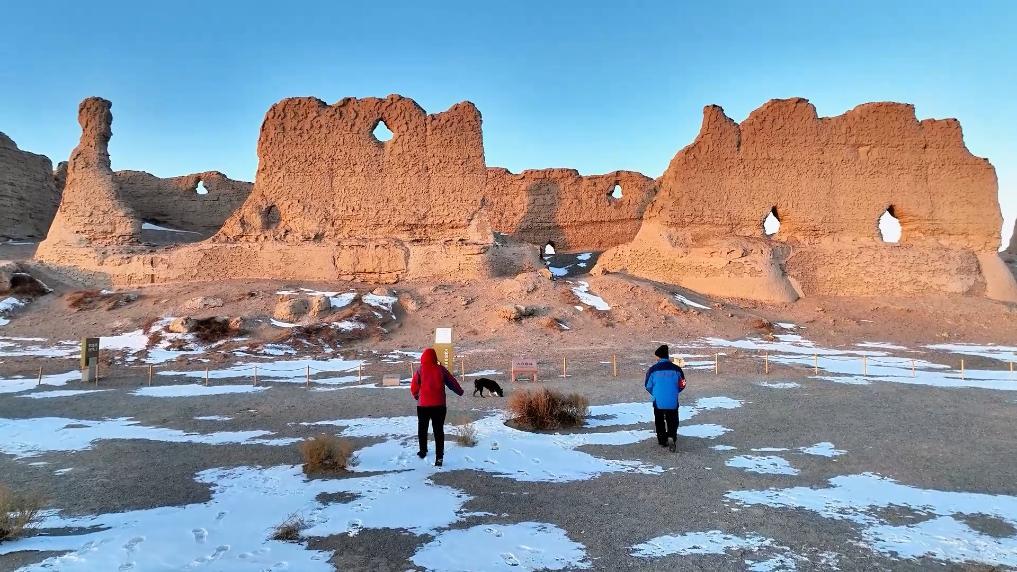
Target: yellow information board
443,347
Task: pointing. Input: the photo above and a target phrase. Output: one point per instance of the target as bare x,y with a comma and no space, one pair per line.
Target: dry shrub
326,453
464,432
290,529
18,513
211,330
545,409
91,299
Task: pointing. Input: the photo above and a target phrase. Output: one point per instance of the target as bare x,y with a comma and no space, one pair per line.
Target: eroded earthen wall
323,176
175,203
828,180
570,210
28,193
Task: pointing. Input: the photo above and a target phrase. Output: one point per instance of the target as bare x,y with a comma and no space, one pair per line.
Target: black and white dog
482,383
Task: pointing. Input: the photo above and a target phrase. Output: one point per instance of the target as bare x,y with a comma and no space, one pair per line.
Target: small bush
211,330
326,453
290,529
91,299
545,409
464,432
18,513
24,284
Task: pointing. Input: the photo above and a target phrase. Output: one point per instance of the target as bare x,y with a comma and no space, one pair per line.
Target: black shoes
437,462
673,445
421,454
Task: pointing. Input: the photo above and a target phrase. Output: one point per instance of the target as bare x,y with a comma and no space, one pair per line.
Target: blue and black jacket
664,381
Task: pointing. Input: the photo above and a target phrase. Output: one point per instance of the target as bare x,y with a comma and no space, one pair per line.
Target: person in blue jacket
664,381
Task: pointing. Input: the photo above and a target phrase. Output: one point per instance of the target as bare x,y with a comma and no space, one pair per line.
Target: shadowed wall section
28,194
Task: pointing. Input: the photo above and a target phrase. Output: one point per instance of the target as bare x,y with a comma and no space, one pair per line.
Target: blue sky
597,86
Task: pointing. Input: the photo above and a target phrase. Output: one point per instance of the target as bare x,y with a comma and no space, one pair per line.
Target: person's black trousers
436,417
666,423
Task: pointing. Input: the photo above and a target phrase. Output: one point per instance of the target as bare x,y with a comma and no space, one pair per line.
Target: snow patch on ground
37,347
1001,353
279,370
582,291
34,436
379,301
636,413
19,384
762,464
62,393
150,226
697,543
779,384
824,449
194,390
493,547
214,418
939,532
691,303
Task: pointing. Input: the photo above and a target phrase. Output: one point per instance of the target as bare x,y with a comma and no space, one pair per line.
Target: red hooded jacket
428,385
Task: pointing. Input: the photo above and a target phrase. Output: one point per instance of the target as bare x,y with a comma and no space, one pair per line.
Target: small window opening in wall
200,189
616,192
382,132
549,248
889,226
772,222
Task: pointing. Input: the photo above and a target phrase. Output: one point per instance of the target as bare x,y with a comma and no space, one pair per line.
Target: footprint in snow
220,516
219,551
354,527
494,531
510,559
200,535
494,445
133,543
126,567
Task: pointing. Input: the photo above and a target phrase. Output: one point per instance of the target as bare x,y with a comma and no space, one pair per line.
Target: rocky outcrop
1012,249
28,194
177,202
828,181
91,213
565,208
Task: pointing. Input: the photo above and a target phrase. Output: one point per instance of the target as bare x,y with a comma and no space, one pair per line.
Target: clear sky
593,85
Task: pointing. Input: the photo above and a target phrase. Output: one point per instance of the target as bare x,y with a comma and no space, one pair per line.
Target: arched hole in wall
381,131
771,224
889,226
616,192
270,217
548,248
200,189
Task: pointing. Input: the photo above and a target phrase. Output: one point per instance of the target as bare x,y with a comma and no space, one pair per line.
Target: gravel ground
951,440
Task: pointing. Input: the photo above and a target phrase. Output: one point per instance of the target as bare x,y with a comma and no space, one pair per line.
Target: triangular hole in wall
889,226
382,132
771,224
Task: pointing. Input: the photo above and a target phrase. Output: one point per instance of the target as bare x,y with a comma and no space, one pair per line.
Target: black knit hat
662,352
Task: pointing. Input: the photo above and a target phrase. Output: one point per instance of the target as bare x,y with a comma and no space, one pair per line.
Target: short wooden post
614,364
462,368
411,370
564,366
96,372
913,373
766,363
1011,369
307,376
149,376
40,376
962,368
815,364
206,376
716,363
360,373
256,376
865,365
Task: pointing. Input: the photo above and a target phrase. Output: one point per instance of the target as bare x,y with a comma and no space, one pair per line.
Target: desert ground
827,434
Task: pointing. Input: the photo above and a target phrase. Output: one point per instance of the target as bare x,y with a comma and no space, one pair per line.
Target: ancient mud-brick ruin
28,192
331,201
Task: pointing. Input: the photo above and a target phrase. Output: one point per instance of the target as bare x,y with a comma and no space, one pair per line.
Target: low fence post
614,364
716,363
307,376
150,376
40,376
462,368
865,365
815,364
766,363
962,368
564,366
255,376
360,373
206,377
913,373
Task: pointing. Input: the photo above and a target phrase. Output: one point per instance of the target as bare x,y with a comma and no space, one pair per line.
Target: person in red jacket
428,388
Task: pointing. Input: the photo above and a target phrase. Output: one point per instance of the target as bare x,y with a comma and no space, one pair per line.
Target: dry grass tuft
290,529
23,284
326,453
545,409
18,513
211,330
464,432
91,299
